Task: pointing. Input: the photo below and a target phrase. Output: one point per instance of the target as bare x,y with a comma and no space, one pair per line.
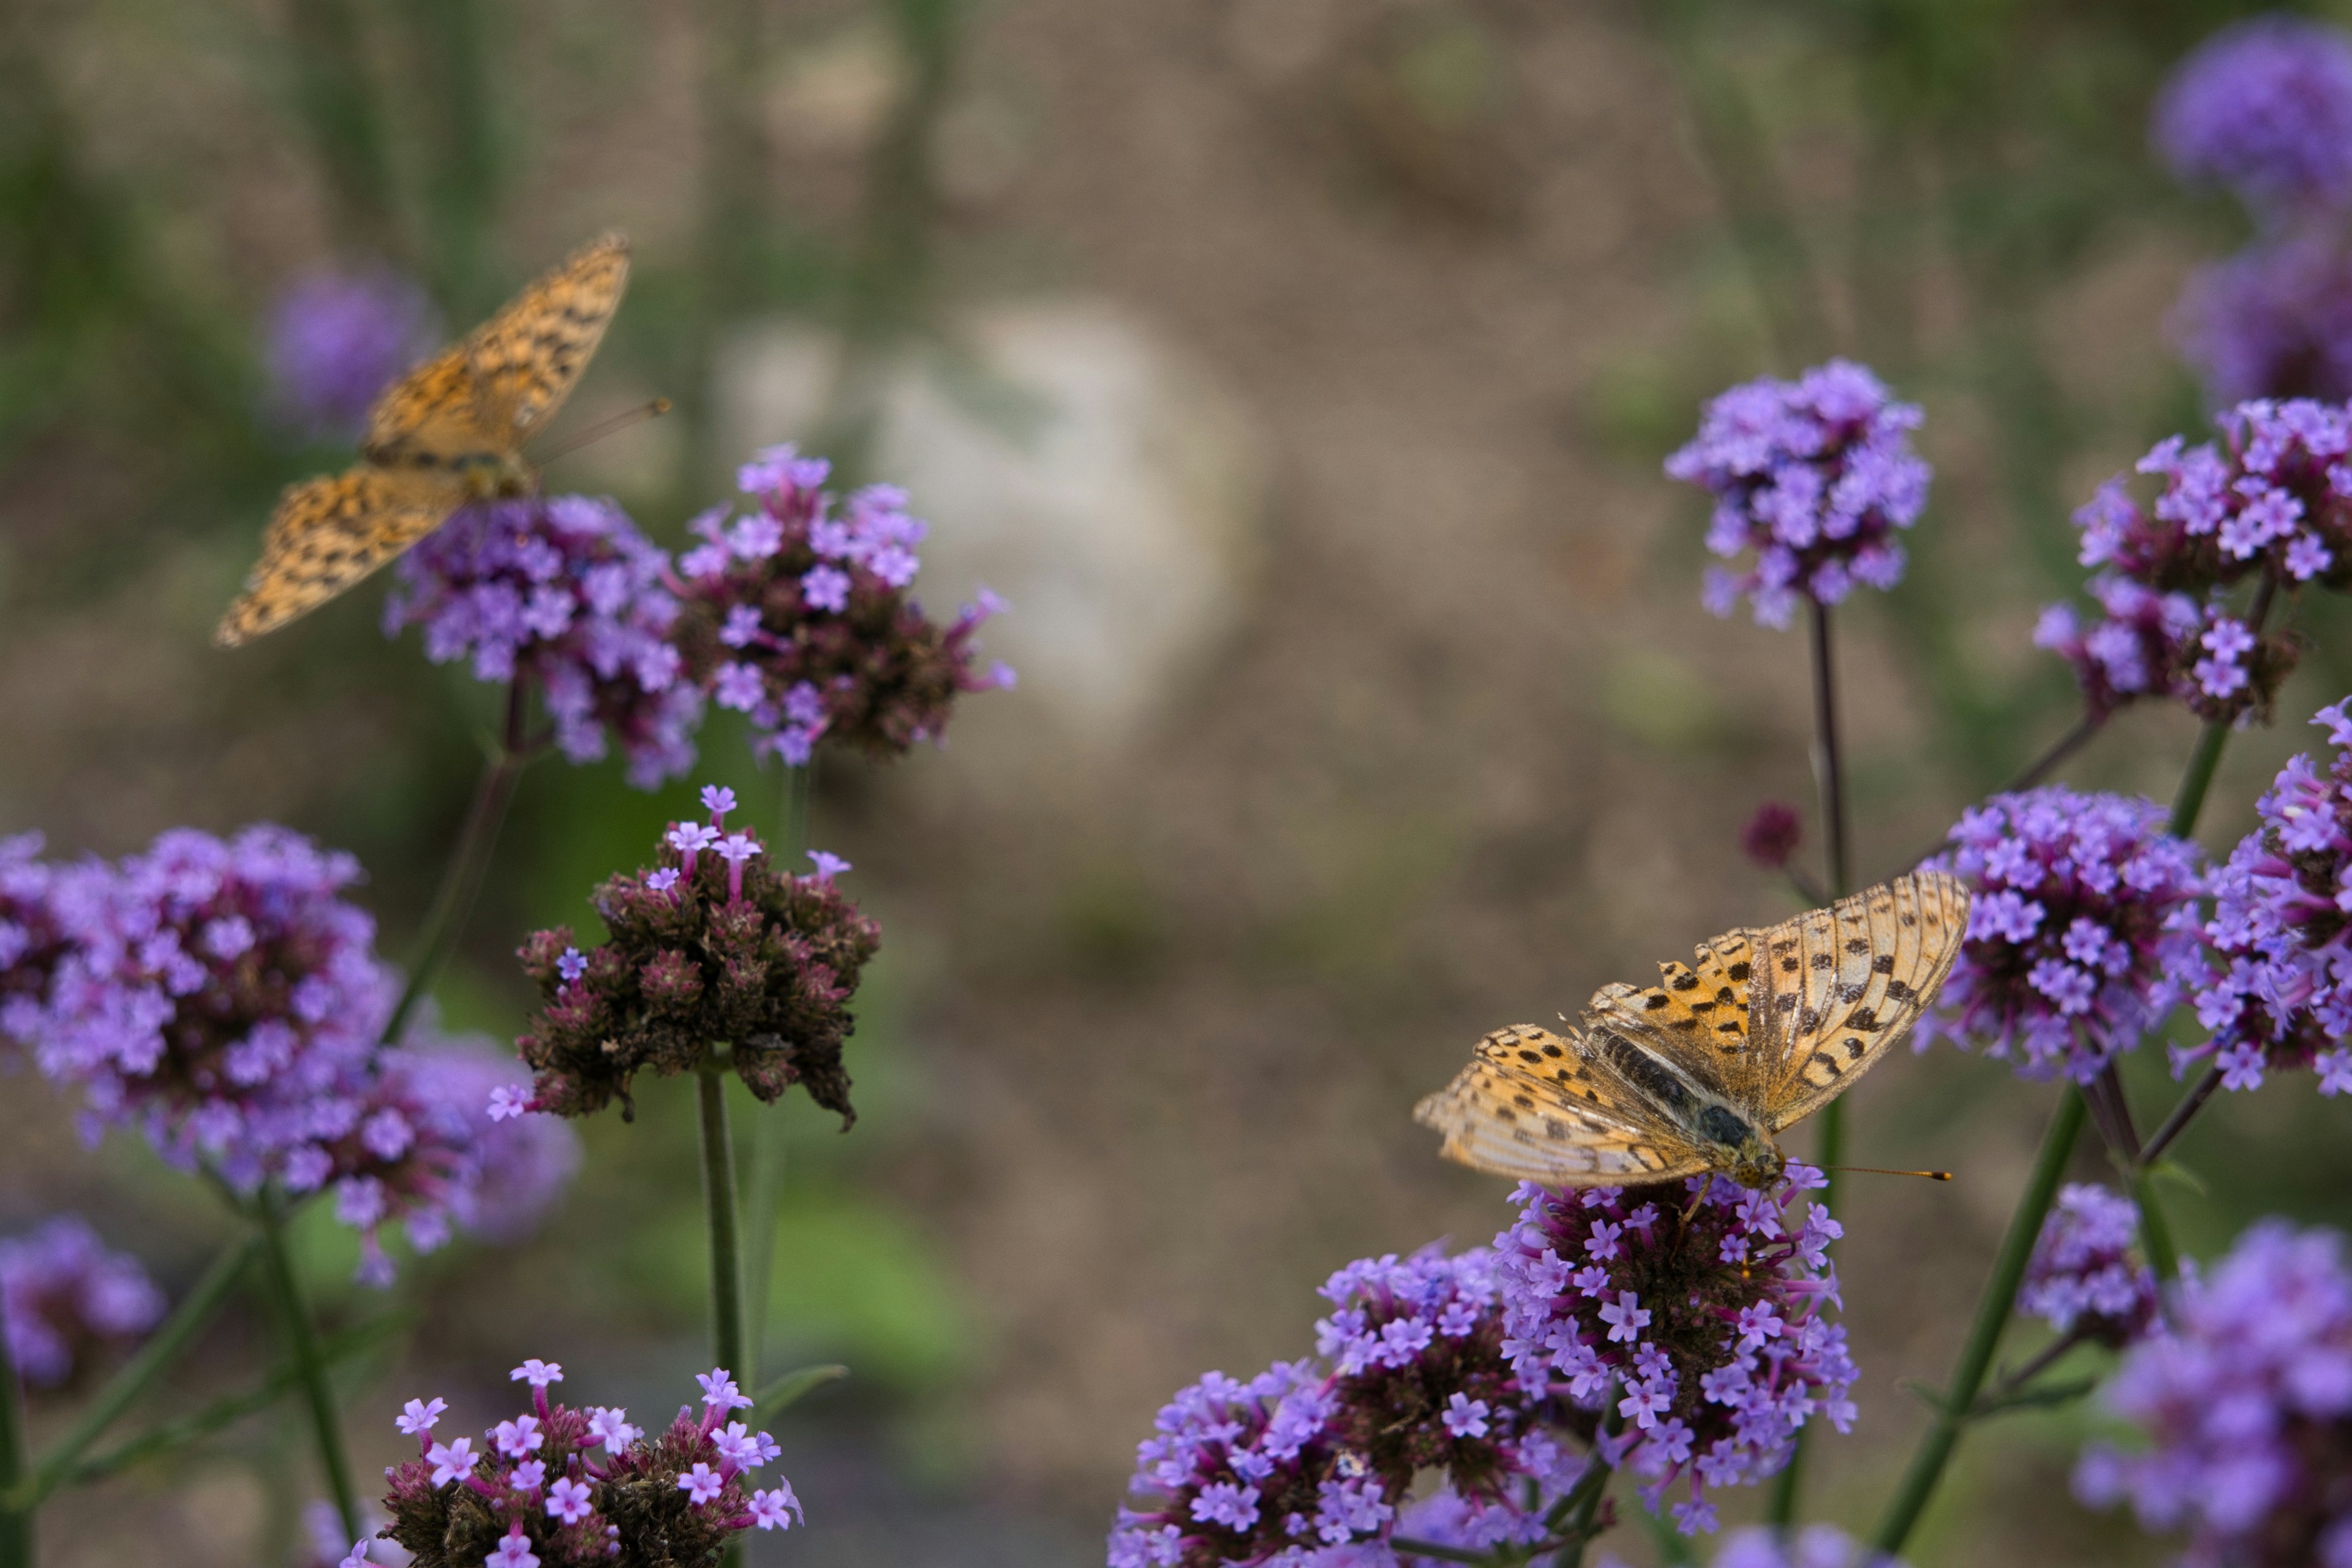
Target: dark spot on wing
1737,971
1901,990
1857,944
1883,964
1824,960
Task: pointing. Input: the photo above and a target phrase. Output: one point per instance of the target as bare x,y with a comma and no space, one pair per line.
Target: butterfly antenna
1881,1171
604,428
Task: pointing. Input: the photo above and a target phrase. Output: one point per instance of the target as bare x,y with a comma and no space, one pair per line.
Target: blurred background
1300,370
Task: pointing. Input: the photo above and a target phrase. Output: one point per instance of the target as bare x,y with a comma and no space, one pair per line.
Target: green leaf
1932,1398
2040,1396
792,1386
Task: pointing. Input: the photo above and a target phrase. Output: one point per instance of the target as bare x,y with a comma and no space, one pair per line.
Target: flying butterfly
1698,1073
449,432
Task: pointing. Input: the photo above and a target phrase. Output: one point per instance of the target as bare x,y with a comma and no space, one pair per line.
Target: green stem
1935,1451
2189,803
163,1348
309,1366
16,1519
767,1130
461,884
719,1206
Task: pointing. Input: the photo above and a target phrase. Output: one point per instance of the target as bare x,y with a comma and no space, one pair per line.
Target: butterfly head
1737,1147
1756,1164
497,476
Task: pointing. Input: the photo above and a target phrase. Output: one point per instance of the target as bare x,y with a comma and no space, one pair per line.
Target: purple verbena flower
708,948
1712,1343
571,1489
2272,321
2082,1279
1813,1546
64,1296
1772,835
564,591
2279,994
2082,931
2246,1399
2265,108
2137,648
31,942
798,616
1815,476
337,339
521,1162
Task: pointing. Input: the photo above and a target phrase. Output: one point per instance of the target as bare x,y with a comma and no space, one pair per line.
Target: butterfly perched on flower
1698,1072
449,432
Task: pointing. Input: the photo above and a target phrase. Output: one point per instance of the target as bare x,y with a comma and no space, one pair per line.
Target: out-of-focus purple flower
2265,108
716,945
1815,476
522,1162
566,591
30,940
2246,1399
567,1488
1772,835
1711,1344
800,616
2279,993
220,997
1313,1458
2081,933
337,339
1814,1546
330,1547
66,1296
2272,321
2082,1279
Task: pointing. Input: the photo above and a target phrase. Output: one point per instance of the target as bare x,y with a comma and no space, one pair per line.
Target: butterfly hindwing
525,359
1846,983
1547,1108
329,533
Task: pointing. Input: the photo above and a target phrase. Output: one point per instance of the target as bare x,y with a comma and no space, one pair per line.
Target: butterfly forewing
526,358
1549,1108
1837,986
328,534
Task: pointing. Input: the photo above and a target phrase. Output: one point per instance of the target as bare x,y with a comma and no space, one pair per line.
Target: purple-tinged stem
2182,1114
310,1367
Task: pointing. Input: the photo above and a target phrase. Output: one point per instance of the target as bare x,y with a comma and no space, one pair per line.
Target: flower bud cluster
565,1487
65,1296
1692,1313
2082,1279
2081,931
565,591
799,616
711,949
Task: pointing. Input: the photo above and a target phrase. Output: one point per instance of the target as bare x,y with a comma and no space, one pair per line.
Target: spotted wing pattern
1552,1108
328,534
526,358
1835,988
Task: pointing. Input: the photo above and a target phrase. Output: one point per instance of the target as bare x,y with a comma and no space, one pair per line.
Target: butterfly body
448,434
1699,1072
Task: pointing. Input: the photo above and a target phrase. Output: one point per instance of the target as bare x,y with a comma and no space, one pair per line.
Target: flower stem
2189,805
1407,1546
462,882
164,1347
719,1206
15,1518
302,1341
1935,1451
2190,1104
767,1173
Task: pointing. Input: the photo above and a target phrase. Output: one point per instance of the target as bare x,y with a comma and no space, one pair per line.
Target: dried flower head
2081,933
2246,1401
1815,476
565,1487
2082,1279
1772,835
65,1297
336,339
2265,108
799,616
1709,1338
713,948
2280,994
562,590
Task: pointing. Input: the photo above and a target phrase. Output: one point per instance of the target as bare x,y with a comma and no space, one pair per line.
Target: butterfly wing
1834,988
328,534
431,417
1551,1109
525,359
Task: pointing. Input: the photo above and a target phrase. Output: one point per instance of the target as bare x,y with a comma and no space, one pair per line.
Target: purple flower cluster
1815,476
565,1487
800,618
30,941
2274,498
2263,107
335,340
520,1165
563,591
712,946
64,1294
2246,1401
2082,1279
1708,1339
1315,1456
2272,321
2281,993
1814,1546
2082,931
